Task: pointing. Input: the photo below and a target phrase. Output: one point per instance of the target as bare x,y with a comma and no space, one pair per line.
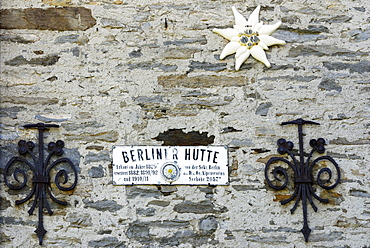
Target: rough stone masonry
113,72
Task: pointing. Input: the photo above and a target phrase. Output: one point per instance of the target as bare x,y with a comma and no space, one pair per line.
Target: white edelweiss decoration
248,38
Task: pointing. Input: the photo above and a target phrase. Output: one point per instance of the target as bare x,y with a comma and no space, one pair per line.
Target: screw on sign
302,172
41,169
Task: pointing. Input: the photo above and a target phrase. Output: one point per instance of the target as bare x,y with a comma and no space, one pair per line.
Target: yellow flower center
249,38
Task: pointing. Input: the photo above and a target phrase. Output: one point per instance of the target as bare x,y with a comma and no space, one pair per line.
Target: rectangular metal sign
192,165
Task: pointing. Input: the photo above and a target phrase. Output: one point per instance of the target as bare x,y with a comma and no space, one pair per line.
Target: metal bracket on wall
20,168
302,171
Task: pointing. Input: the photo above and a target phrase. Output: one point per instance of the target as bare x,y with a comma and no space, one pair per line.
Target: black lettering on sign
140,154
175,154
125,157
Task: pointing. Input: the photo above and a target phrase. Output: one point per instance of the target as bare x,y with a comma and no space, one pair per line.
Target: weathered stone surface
348,222
175,223
329,84
4,239
229,130
147,99
24,100
73,38
237,143
145,211
61,19
291,78
96,172
107,242
4,203
359,193
95,147
52,118
177,137
6,153
338,117
103,156
73,154
333,197
180,42
102,232
359,67
11,112
208,225
159,203
344,141
335,19
23,38
263,108
135,54
138,231
294,36
200,81
57,2
151,66
16,221
103,205
332,236
79,220
180,53
110,136
196,65
111,23
207,103
167,190
360,9
322,50
78,126
44,61
190,237
202,207
246,187
360,34
134,192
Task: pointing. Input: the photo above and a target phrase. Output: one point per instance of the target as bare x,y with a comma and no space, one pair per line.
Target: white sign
192,165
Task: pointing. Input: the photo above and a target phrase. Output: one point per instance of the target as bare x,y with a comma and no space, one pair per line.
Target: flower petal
239,61
226,33
263,45
239,29
269,40
258,26
235,39
253,18
239,19
240,51
230,48
258,53
269,29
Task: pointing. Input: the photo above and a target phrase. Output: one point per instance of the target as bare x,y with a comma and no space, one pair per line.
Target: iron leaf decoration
41,169
302,172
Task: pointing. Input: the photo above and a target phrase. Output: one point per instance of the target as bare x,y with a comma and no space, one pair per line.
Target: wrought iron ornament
40,169
303,171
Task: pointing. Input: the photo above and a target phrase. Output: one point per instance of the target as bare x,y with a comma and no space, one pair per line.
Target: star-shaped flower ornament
248,37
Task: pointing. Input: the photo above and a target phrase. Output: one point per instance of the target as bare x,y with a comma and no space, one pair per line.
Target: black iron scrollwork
41,169
302,172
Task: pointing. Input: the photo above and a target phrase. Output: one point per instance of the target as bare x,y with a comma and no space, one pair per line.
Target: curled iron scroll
303,170
327,171
277,170
16,174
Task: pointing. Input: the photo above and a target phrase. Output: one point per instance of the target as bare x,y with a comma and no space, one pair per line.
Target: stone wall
113,72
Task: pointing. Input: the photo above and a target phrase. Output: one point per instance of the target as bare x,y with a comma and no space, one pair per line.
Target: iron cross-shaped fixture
302,171
41,169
